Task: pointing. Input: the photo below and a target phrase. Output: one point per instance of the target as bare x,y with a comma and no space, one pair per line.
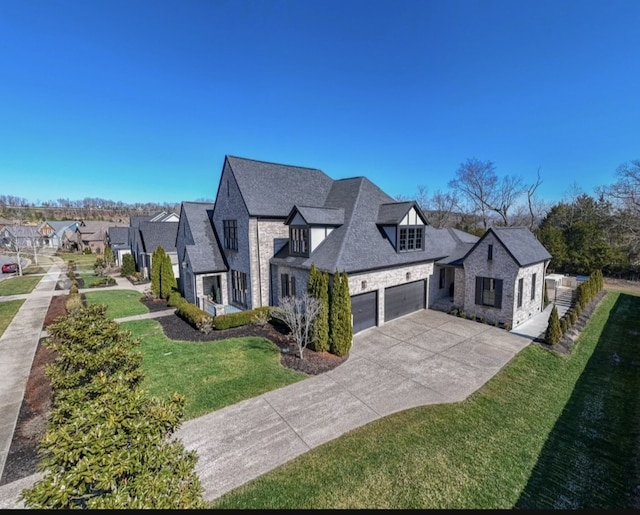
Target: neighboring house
20,236
118,240
89,234
203,275
52,231
152,235
271,222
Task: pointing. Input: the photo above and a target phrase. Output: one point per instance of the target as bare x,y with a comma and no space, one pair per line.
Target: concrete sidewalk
18,345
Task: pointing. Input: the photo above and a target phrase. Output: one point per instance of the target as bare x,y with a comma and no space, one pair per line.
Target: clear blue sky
139,101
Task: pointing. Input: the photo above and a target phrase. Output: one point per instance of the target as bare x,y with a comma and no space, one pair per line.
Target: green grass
120,303
7,311
548,431
211,375
82,261
17,285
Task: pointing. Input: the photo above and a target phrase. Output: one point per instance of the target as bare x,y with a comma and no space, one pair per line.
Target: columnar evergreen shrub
168,281
163,281
340,328
128,266
109,258
553,332
318,287
108,444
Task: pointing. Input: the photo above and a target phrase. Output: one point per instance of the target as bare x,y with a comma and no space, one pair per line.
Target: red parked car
8,268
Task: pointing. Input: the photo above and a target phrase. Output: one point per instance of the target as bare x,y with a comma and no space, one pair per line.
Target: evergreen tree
128,266
554,332
318,287
340,329
157,260
168,282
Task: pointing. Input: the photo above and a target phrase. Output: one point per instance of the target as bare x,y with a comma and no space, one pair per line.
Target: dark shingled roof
204,250
270,189
521,244
318,215
119,235
158,234
359,244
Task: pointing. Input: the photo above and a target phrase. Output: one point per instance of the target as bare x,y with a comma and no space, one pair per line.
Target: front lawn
211,375
7,311
120,303
18,285
548,431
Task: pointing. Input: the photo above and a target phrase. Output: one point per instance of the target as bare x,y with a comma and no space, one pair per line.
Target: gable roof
158,234
317,215
59,226
359,244
203,248
393,213
271,189
119,235
521,244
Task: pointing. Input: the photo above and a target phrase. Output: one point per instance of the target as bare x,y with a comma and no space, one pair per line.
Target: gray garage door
364,308
404,299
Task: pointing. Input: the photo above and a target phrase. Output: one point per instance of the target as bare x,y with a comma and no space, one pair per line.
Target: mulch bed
22,458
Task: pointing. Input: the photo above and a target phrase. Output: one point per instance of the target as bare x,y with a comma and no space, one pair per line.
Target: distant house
52,231
20,236
152,235
118,240
89,234
270,222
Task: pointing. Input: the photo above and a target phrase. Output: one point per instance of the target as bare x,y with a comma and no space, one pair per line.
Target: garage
404,299
364,308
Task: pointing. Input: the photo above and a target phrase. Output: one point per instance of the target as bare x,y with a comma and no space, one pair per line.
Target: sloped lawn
549,431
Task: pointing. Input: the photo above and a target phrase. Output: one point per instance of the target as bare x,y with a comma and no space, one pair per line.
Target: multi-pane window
299,237
520,288
410,238
489,292
533,287
288,286
230,234
239,287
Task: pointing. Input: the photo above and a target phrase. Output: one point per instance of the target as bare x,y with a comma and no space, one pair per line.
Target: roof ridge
272,163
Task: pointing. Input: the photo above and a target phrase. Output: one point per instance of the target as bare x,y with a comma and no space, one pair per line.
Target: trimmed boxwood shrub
195,316
175,299
240,318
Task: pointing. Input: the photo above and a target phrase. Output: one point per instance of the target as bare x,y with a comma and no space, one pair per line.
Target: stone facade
381,279
501,266
266,236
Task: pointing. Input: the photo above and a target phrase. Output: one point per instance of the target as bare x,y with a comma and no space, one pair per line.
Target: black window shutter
498,294
283,290
293,286
478,290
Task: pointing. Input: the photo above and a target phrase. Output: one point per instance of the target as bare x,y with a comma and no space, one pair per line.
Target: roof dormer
403,224
309,226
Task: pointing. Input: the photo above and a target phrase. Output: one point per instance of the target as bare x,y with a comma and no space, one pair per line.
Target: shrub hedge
240,318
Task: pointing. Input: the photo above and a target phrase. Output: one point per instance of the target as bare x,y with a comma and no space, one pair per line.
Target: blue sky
139,101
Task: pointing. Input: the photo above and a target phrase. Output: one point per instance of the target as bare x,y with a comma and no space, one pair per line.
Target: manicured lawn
548,431
211,375
120,303
7,311
17,285
82,261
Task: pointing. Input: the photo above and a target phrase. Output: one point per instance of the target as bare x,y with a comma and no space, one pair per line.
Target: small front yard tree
554,331
298,313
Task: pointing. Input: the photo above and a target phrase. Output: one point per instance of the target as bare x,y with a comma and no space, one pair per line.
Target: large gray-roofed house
274,221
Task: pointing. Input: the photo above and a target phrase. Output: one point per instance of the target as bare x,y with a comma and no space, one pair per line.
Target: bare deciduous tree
298,314
476,181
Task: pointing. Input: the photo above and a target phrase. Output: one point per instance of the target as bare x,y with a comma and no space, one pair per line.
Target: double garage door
398,300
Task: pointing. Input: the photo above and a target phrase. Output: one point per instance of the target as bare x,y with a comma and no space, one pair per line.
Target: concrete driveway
428,357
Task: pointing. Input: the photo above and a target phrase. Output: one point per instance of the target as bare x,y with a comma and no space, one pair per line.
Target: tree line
583,233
